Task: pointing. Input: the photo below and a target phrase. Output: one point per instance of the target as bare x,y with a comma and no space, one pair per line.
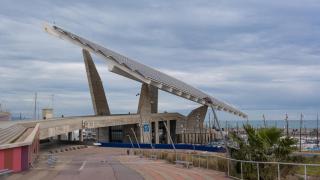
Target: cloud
260,56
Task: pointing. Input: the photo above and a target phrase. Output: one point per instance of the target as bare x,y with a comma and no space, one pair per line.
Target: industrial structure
152,80
147,125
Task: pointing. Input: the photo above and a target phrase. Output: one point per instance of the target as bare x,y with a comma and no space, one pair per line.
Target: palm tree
264,144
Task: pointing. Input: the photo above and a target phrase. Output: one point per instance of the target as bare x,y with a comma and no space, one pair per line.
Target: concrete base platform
109,163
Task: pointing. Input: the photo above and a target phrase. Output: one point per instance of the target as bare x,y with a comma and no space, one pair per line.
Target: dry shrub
171,157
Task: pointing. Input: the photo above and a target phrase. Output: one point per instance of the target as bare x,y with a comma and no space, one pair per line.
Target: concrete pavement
96,163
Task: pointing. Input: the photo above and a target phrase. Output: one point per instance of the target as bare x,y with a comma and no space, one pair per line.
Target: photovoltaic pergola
134,70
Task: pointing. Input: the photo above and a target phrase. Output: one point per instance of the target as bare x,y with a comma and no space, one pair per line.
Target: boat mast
300,129
317,130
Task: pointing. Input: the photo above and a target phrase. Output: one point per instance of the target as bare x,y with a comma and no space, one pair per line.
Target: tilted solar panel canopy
132,69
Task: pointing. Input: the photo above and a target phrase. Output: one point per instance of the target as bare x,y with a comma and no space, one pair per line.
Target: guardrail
240,169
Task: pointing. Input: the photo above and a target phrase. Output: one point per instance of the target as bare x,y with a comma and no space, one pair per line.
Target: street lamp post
301,116
317,130
287,125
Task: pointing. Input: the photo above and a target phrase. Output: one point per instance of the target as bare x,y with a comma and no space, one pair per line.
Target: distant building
5,116
47,113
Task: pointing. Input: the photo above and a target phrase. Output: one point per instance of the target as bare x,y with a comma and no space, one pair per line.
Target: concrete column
168,132
103,134
141,133
69,136
148,103
59,137
156,131
98,97
196,118
80,135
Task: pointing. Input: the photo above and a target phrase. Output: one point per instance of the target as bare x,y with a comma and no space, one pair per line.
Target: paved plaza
110,163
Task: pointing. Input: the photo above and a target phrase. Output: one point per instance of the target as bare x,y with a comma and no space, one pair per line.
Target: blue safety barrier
165,146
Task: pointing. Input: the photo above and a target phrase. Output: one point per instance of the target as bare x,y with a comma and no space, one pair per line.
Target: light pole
287,125
301,116
210,128
264,121
317,130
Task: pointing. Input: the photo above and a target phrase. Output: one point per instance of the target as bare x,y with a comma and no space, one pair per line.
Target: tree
265,144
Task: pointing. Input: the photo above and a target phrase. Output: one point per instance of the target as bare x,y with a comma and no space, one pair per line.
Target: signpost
146,127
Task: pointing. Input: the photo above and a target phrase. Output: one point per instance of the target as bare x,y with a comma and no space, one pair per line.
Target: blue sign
146,128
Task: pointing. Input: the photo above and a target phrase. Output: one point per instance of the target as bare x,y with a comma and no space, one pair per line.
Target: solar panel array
146,71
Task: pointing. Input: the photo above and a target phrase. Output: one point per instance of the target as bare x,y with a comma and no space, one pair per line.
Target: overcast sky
261,56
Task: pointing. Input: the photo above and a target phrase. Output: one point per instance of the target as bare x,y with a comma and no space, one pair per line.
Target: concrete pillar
148,103
69,136
80,135
98,97
196,118
141,134
103,134
197,138
156,131
59,137
168,132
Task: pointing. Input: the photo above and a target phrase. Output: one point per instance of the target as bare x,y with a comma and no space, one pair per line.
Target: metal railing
237,169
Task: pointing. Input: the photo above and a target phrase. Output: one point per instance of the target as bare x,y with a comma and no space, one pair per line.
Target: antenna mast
35,106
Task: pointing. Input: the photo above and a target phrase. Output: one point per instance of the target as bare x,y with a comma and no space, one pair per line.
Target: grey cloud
256,55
